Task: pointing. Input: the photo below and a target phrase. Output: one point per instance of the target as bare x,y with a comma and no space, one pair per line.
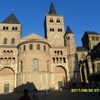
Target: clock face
56,36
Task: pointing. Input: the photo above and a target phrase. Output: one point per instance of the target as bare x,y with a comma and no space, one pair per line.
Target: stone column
81,73
85,73
89,65
41,80
95,67
16,80
46,77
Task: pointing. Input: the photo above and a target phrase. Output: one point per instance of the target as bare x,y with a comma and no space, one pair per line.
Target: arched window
7,28
55,52
53,60
44,48
58,20
52,29
35,64
61,52
38,46
31,46
59,30
21,66
57,59
5,41
51,20
60,60
24,47
12,28
64,60
4,28
13,41
16,28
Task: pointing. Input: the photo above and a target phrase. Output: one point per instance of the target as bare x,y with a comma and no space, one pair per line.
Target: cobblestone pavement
54,95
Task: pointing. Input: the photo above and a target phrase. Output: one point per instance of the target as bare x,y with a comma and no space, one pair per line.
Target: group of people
26,96
34,94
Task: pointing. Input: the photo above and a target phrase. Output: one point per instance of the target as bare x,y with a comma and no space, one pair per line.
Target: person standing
25,95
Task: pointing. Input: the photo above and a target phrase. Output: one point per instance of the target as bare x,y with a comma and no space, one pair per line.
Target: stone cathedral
48,62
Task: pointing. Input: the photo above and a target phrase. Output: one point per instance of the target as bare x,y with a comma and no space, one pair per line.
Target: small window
21,66
5,41
44,48
60,60
7,28
35,64
57,59
4,28
24,47
12,28
31,46
4,51
15,28
61,52
59,30
51,20
11,51
53,60
64,60
13,58
58,20
8,51
13,41
38,46
55,52
52,29
58,52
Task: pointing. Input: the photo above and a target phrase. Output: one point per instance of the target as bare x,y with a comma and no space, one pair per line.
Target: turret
69,41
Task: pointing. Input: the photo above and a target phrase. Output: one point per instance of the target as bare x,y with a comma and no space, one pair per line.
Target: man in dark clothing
25,96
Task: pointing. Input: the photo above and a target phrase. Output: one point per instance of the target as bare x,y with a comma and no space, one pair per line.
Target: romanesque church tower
10,33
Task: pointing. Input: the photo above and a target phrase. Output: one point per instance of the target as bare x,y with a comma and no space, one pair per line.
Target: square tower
54,28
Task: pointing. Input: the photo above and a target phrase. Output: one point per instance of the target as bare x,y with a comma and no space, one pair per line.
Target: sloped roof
91,32
52,9
33,37
11,19
68,30
81,49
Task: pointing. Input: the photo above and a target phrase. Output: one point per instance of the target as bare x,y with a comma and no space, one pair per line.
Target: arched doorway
7,80
60,77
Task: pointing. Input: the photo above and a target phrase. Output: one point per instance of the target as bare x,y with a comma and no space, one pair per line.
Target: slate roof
52,9
90,32
81,49
68,30
11,19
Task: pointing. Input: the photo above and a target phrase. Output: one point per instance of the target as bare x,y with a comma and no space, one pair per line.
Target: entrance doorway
7,78
59,77
6,88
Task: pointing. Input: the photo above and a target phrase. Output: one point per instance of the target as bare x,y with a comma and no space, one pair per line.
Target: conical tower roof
11,19
52,9
68,31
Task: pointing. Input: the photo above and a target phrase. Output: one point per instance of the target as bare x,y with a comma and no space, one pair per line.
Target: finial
12,11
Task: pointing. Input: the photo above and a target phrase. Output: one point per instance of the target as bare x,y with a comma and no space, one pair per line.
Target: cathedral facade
47,62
